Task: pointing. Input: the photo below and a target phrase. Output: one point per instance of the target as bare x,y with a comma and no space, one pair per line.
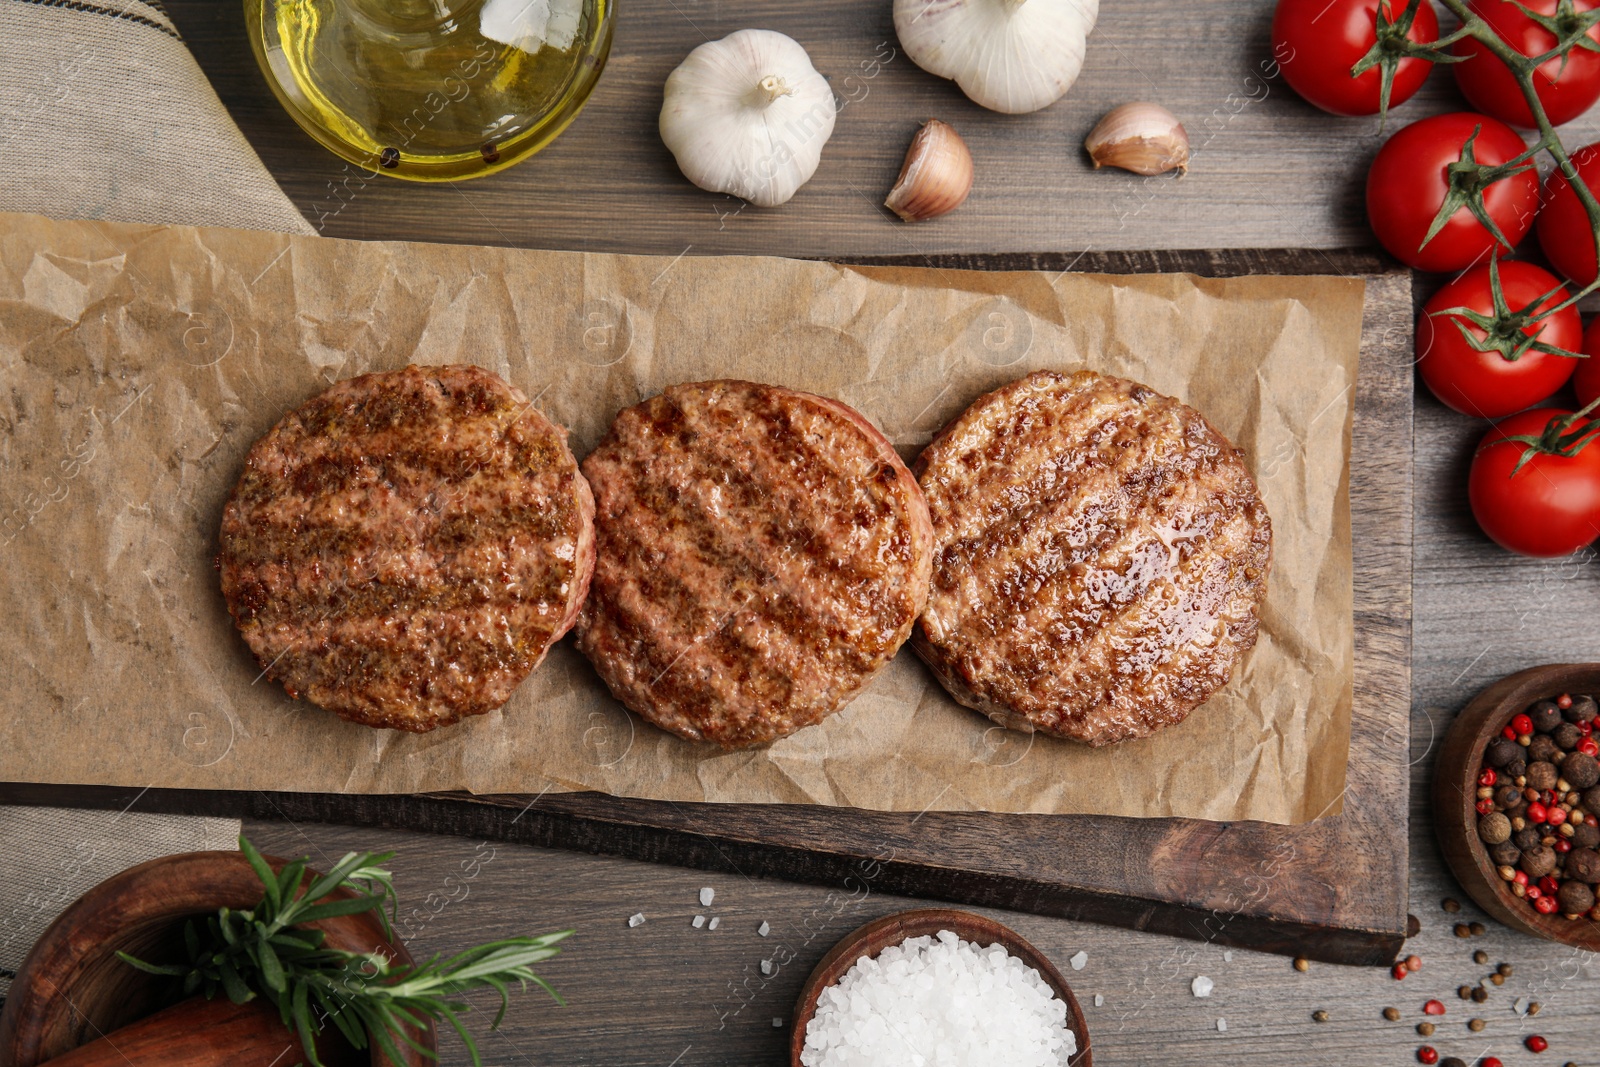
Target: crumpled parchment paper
138,364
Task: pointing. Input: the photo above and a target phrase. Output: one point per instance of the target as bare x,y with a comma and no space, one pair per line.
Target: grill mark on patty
1102,615
402,525
755,477
725,487
801,534
1129,623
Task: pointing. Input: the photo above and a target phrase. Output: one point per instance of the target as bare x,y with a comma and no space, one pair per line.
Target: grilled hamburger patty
762,554
405,548
1101,554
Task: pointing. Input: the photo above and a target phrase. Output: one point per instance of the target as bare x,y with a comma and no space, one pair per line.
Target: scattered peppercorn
1504,970
1536,1043
1433,1007
1413,963
1463,930
1464,992
1480,994
1319,1016
1480,957
1533,1007
1490,1061
1399,971
1425,1029
1476,1025
1427,1054
1450,904
1452,1061
1478,929
1392,1014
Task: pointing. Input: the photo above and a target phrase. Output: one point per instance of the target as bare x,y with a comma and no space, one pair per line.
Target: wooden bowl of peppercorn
1519,740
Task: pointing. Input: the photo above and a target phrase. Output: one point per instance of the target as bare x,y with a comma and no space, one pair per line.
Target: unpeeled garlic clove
936,176
1142,137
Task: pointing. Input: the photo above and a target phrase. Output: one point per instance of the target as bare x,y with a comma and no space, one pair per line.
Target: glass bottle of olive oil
432,90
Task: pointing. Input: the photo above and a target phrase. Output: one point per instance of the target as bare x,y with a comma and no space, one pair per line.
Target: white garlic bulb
1008,55
748,115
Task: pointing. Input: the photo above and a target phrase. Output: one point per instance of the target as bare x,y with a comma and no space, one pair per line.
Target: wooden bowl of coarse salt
919,983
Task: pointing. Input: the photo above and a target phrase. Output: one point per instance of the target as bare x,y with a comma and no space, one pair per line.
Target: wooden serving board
1333,889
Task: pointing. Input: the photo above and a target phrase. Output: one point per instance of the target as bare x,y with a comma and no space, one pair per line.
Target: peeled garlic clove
1141,137
1008,55
936,176
748,115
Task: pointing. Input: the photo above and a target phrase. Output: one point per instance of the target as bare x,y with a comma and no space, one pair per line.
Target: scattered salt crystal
1078,960
699,921
939,1001
714,921
763,929
1099,1000
1222,1026
707,895
1201,986
1520,1006
1227,957
777,1022
636,919
766,968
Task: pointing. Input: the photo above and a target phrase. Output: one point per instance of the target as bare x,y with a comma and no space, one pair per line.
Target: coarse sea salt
939,1001
707,895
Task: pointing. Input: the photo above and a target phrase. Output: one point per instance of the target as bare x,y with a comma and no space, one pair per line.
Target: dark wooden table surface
1268,172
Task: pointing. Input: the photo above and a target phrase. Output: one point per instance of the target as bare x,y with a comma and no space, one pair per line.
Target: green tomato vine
1468,178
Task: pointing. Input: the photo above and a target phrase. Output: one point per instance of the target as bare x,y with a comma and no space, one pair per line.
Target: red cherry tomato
1551,507
1408,183
1488,383
1565,233
1566,88
1317,42
1586,379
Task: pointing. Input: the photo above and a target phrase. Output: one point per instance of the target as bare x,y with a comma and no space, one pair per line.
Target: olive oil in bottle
432,90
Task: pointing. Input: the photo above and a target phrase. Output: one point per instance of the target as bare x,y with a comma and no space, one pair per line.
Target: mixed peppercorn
1538,803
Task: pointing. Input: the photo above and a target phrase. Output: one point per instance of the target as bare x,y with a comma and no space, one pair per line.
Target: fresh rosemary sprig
268,951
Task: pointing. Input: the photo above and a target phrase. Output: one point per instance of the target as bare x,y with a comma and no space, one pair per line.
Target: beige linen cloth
104,114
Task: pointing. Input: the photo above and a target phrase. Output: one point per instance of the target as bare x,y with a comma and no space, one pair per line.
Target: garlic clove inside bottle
748,115
1013,56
